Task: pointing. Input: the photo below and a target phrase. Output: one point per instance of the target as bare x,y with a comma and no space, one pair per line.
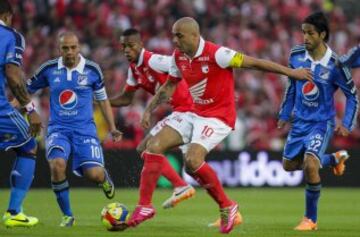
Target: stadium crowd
266,29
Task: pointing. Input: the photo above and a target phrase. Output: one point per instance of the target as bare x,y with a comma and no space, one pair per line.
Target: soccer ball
114,216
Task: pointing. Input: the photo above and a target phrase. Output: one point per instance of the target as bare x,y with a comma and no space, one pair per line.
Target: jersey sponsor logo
82,80
68,99
310,91
198,89
204,58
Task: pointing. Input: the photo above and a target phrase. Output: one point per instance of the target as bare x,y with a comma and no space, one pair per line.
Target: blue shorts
308,137
86,151
13,130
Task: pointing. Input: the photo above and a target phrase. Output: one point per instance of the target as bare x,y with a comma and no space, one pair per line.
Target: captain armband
237,60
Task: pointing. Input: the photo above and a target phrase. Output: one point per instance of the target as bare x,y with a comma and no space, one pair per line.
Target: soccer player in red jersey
148,71
208,70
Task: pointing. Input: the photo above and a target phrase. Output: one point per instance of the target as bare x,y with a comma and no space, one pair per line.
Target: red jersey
150,73
210,80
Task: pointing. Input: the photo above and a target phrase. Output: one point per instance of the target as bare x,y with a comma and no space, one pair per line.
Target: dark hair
5,7
320,22
130,31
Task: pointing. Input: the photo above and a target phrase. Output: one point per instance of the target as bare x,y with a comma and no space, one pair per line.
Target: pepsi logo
68,99
310,91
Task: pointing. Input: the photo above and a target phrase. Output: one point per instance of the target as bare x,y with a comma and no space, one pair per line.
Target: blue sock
328,160
61,190
21,178
312,194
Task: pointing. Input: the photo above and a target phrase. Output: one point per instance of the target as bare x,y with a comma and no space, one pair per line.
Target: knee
311,164
154,146
58,167
192,164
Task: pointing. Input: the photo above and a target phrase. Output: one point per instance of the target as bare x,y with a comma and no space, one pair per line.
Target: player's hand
302,74
116,135
341,130
145,121
35,124
15,103
281,124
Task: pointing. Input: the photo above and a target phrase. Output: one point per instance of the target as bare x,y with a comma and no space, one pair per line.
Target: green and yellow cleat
67,221
19,220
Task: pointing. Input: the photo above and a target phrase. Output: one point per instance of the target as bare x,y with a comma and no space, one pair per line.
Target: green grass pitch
267,212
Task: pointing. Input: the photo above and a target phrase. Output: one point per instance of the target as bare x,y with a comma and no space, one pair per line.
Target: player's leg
88,161
315,146
182,191
14,127
57,151
207,133
153,163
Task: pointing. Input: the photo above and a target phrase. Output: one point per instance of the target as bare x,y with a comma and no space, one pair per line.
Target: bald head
186,35
69,49
188,24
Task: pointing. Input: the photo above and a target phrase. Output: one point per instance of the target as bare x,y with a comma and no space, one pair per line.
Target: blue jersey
314,101
351,58
11,51
71,94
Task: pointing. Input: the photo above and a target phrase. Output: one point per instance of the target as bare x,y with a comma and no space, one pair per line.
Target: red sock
170,173
149,176
208,179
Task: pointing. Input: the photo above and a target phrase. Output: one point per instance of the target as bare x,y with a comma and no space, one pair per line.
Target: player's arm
351,58
15,79
287,104
164,93
124,99
343,79
229,58
101,97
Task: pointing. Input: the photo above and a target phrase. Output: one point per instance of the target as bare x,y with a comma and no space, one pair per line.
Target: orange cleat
306,224
340,156
238,221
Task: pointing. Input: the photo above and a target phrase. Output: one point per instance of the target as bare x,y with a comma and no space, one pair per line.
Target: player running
73,81
15,132
207,69
312,106
148,71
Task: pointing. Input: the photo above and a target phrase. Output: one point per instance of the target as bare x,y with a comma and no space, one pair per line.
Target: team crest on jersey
82,80
68,99
324,74
205,68
310,91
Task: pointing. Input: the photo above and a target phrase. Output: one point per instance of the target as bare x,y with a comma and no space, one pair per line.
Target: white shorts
193,128
175,118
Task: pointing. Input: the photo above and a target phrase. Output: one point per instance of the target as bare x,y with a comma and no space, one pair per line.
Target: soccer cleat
306,224
180,194
238,221
141,214
67,221
108,186
340,157
19,220
227,216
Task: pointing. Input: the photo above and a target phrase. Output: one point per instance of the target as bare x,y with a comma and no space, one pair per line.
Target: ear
323,35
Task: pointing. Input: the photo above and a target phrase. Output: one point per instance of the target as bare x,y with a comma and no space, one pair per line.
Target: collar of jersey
324,61
80,67
141,58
